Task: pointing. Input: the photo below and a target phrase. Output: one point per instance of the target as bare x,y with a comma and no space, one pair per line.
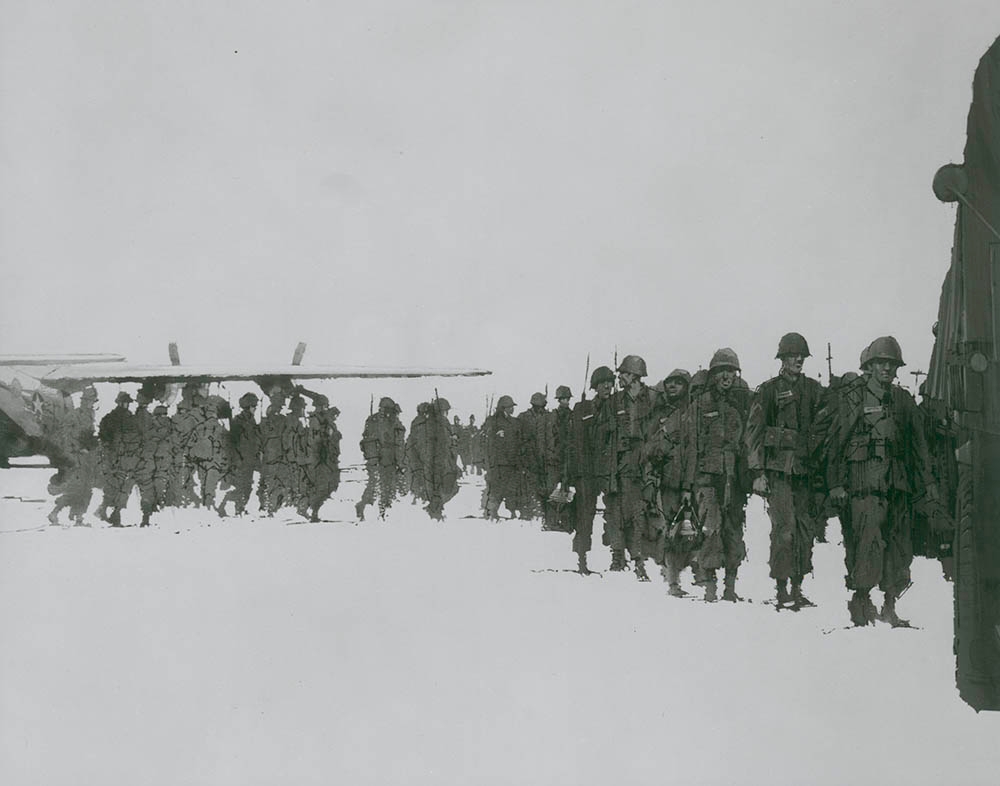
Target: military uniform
621,429
503,461
777,445
667,454
120,446
146,467
714,426
877,464
245,449
383,445
324,457
539,458
876,451
272,491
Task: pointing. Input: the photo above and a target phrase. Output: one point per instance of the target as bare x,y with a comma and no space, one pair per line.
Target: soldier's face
673,388
626,379
884,371
725,378
604,388
791,365
563,403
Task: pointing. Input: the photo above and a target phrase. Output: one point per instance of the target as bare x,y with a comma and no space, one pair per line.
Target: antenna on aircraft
300,351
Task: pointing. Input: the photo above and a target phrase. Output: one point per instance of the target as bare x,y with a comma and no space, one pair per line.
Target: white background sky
504,185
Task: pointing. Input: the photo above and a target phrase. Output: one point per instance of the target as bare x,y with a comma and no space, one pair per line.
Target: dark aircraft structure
964,375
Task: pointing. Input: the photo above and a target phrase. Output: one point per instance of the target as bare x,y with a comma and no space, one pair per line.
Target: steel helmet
319,400
883,348
387,403
793,344
601,374
633,364
563,392
538,400
443,405
123,398
504,402
679,373
724,358
248,400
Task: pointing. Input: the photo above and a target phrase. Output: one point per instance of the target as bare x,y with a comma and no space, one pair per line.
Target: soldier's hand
838,495
760,487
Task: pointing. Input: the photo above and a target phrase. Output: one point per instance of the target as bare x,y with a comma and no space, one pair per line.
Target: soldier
208,447
415,470
186,419
563,513
120,458
667,454
161,435
146,465
383,445
245,447
503,449
477,454
877,464
293,473
323,470
82,471
539,458
271,491
440,459
777,445
627,499
715,429
588,463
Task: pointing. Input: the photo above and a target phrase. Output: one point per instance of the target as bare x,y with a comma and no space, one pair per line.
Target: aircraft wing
73,376
58,360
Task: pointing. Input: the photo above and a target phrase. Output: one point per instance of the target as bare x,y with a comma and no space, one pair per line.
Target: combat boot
711,591
861,608
54,517
889,615
729,593
782,598
799,600
359,511
640,569
673,578
115,519
145,519
618,559
581,564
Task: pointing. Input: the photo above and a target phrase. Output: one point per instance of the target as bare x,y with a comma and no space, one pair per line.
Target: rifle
371,405
586,380
829,364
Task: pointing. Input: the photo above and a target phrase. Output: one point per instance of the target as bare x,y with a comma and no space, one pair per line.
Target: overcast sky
504,185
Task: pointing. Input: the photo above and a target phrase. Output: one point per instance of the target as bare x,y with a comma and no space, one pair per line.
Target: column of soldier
194,456
674,465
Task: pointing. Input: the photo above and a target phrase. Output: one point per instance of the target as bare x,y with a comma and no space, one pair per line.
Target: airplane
26,381
964,376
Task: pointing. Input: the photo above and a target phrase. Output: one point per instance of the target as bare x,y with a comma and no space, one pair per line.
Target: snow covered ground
464,652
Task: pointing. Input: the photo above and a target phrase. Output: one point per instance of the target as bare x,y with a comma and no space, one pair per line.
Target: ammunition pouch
369,448
784,439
